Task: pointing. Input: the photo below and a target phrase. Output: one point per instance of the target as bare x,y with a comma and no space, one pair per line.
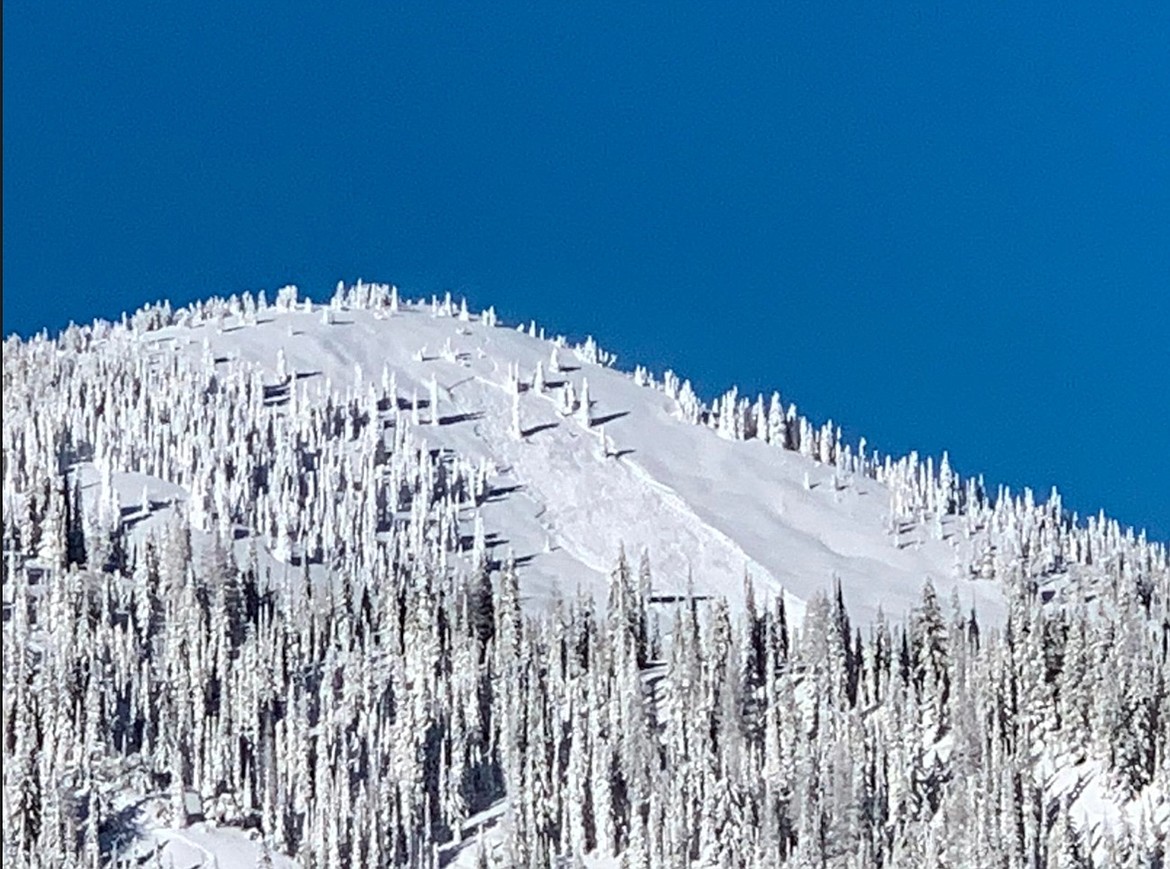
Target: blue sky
946,226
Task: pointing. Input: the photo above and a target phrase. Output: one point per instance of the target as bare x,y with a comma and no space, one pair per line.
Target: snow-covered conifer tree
583,403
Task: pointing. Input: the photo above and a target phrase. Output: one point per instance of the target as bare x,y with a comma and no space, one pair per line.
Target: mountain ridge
214,478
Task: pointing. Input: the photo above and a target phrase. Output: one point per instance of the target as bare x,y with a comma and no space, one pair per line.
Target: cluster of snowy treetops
362,695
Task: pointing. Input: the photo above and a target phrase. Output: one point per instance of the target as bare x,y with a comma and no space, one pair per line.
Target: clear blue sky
945,225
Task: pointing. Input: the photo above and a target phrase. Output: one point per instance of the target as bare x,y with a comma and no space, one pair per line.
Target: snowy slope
421,433
698,502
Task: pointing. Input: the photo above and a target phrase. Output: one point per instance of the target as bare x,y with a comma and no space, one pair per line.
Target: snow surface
699,503
204,845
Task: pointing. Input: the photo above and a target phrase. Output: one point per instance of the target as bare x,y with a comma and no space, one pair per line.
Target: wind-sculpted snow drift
360,579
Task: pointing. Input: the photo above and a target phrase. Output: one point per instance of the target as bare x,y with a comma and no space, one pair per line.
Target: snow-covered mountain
243,496
702,500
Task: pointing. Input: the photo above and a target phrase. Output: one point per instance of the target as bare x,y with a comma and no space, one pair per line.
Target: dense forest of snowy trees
313,645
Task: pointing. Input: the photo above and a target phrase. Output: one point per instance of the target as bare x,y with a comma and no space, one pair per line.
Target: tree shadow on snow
454,418
132,515
517,560
677,598
537,429
407,404
491,540
610,417
498,493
